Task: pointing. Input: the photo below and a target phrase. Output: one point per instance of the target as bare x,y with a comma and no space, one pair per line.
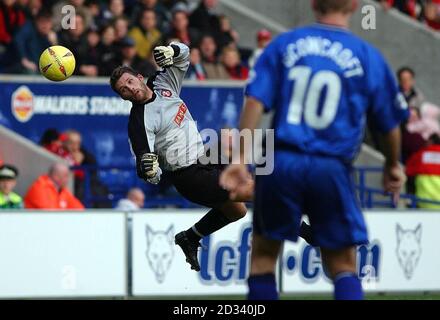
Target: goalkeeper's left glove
164,56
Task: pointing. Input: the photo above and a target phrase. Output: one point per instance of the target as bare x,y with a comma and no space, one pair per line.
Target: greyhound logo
408,249
160,251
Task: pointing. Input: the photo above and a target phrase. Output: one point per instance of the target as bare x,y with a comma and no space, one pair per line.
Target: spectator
172,4
426,122
195,70
33,39
107,50
432,14
121,29
414,97
424,166
213,68
52,141
130,58
115,10
30,8
412,141
145,34
90,62
50,191
79,156
12,18
8,181
134,200
263,39
228,36
76,40
80,9
411,8
180,29
93,9
161,14
205,20
231,60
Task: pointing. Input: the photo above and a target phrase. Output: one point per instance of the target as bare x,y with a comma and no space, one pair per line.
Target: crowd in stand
105,34
426,11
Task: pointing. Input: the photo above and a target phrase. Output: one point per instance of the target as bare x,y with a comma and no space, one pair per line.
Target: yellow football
57,63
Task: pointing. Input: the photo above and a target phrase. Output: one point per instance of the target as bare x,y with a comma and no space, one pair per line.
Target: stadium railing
368,196
120,179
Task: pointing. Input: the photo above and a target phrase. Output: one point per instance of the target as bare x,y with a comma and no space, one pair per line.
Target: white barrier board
403,255
60,254
159,266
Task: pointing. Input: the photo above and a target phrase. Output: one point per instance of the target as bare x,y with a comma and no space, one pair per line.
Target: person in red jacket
408,7
50,191
424,167
232,62
432,14
12,17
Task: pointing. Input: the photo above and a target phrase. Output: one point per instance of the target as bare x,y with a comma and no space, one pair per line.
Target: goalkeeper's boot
189,248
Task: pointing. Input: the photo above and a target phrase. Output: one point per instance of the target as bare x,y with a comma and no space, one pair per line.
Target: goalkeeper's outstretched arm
175,61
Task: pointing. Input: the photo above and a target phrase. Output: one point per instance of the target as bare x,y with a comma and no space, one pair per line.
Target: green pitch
403,296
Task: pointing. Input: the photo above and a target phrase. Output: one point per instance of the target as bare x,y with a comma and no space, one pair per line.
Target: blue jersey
322,81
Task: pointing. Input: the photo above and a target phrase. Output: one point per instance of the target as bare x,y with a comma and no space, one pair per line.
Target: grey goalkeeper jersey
164,125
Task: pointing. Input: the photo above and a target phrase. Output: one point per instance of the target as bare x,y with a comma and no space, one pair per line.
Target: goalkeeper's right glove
149,165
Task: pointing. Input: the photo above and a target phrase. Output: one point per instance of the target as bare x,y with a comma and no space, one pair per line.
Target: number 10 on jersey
306,95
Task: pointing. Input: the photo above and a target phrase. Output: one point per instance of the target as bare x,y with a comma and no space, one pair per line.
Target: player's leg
341,266
277,216
337,222
216,218
200,184
262,281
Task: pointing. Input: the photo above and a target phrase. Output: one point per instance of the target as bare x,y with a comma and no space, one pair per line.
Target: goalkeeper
164,136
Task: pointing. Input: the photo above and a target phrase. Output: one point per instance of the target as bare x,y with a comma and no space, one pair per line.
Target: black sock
211,222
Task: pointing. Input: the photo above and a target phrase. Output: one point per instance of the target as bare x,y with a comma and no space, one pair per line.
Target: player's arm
250,119
147,164
388,109
175,61
393,176
236,177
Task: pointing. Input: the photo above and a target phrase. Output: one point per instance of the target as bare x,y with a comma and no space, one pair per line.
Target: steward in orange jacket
50,191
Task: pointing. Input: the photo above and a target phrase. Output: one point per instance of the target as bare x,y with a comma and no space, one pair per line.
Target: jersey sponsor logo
166,93
22,104
180,114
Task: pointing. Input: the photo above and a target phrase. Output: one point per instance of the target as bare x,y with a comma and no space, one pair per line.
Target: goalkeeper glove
164,56
149,165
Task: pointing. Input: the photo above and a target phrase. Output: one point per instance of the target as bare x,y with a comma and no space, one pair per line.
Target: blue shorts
320,187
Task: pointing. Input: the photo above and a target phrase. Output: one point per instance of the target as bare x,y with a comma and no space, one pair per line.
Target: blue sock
262,287
348,287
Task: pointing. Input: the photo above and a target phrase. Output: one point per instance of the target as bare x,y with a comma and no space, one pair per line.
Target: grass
387,296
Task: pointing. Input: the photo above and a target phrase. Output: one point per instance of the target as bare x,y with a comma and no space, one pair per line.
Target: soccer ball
57,63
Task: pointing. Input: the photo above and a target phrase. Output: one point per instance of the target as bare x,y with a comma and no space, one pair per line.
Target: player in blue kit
321,81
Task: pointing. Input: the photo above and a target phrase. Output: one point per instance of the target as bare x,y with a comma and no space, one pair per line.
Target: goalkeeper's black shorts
199,183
